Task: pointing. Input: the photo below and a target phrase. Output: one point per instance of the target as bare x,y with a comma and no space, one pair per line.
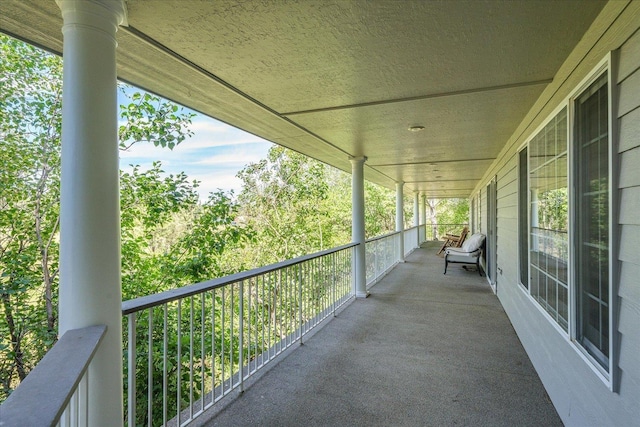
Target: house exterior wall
580,395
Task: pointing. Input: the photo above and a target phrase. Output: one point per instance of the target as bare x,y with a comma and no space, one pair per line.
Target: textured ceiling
334,79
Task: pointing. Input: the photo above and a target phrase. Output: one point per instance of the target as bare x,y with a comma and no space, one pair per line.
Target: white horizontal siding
629,130
508,191
629,94
629,278
629,239
629,57
629,168
629,220
630,205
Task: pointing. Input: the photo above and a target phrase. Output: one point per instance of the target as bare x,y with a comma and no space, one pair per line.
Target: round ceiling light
417,128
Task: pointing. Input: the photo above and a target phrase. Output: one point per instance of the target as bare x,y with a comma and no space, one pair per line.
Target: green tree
282,201
453,211
446,216
297,205
28,206
30,125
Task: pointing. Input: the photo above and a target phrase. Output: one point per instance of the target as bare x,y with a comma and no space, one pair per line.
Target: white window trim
608,376
609,65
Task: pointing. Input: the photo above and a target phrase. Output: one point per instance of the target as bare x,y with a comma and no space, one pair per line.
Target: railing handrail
373,239
43,395
148,301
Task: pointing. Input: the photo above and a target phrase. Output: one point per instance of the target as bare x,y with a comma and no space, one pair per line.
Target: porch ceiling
339,78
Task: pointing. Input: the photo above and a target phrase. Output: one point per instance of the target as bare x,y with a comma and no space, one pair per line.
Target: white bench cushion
473,243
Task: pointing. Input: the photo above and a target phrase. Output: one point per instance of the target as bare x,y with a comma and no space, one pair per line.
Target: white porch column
357,228
400,219
423,209
416,209
416,217
90,290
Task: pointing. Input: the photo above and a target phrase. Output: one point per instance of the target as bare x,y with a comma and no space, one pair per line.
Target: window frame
543,271
523,222
607,66
551,116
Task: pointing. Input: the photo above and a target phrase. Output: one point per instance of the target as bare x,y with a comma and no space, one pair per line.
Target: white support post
357,228
90,289
416,209
400,219
423,214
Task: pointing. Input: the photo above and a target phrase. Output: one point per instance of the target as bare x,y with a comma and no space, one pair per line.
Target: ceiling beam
435,163
422,97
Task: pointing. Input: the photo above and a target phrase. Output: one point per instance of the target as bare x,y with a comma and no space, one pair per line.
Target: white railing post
241,336
179,364
416,216
131,370
150,368
300,281
400,219
376,259
423,215
333,281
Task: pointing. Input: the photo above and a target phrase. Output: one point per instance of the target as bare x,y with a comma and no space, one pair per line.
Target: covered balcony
433,99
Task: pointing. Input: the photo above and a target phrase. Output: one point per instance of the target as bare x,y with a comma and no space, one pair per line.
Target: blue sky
213,155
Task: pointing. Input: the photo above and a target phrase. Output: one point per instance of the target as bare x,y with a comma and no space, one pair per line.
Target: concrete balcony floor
424,349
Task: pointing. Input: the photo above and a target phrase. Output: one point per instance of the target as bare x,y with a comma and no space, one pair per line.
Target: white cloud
199,124
145,150
237,158
213,155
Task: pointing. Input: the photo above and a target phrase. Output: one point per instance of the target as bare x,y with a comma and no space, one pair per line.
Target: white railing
410,240
381,256
56,391
422,234
189,347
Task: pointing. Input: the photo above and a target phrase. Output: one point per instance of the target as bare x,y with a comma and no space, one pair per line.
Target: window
523,223
573,288
592,220
548,236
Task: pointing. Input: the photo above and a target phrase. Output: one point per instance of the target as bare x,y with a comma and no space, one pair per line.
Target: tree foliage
30,127
296,205
29,195
283,201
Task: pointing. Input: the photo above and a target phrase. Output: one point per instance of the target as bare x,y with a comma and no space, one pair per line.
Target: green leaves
30,140
297,205
30,97
152,119
170,238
